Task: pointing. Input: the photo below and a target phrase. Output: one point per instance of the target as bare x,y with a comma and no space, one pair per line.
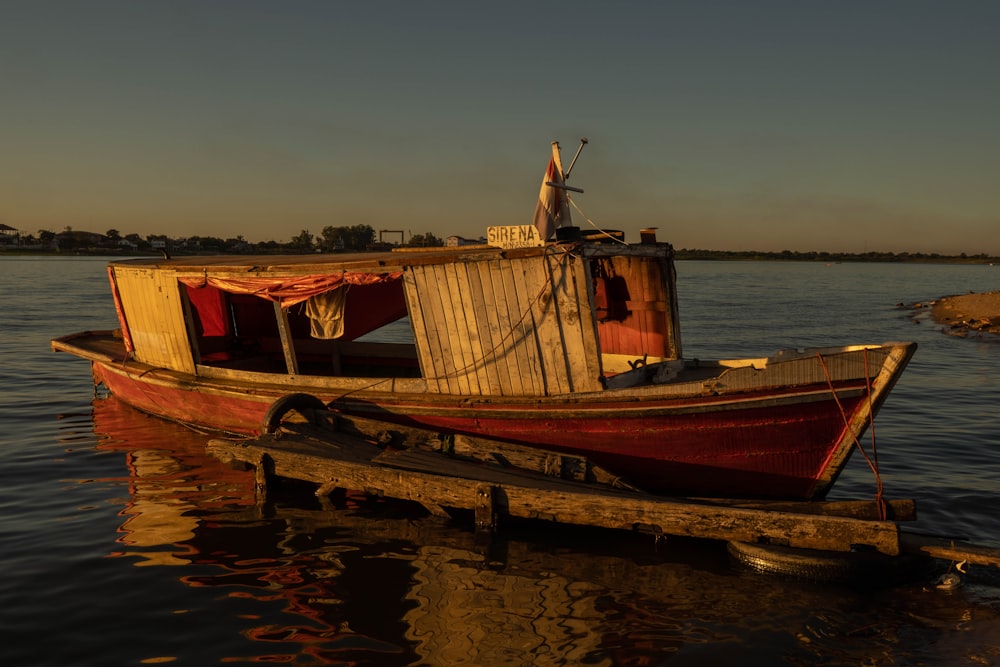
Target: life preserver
305,404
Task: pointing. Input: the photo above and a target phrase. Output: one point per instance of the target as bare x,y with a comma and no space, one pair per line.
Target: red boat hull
777,445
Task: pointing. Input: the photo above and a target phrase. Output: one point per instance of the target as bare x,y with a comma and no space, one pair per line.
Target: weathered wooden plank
324,385
531,379
438,295
429,351
586,321
577,320
650,342
896,510
497,328
167,317
435,353
566,316
531,496
563,341
477,318
536,283
474,311
491,338
464,339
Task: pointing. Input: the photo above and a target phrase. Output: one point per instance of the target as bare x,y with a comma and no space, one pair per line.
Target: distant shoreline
682,254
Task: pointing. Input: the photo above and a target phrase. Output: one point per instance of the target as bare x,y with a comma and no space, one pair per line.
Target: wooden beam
287,345
428,477
949,549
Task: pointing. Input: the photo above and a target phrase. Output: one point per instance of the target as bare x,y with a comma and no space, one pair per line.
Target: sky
842,126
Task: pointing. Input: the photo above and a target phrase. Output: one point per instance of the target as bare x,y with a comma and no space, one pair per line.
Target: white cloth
326,313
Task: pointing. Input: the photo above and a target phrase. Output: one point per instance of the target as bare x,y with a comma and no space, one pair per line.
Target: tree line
832,257
355,238
330,239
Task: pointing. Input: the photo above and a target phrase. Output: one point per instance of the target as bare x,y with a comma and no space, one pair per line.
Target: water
124,544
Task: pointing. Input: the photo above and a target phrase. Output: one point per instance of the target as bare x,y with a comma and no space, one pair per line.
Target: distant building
455,241
9,235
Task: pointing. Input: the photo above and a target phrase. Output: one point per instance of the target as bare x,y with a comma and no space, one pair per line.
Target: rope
547,285
873,460
592,222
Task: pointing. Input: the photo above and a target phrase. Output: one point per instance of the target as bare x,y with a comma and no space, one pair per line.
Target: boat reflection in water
361,578
369,582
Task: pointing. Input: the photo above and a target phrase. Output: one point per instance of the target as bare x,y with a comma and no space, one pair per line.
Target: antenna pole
583,142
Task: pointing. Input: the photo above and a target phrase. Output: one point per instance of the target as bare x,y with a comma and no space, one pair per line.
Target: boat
552,337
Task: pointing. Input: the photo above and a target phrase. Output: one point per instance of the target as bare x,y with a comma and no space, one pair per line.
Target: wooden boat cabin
558,319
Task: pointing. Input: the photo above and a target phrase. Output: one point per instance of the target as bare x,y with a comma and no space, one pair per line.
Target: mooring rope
872,461
546,286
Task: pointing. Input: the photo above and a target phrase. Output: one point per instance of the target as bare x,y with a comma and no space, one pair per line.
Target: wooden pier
495,480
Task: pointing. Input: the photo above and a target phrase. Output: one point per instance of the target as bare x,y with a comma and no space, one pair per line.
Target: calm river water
124,544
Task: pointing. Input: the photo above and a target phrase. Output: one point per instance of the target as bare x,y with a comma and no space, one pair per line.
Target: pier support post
485,511
264,467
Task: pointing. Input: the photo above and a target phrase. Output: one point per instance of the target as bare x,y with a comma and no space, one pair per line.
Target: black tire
861,567
305,404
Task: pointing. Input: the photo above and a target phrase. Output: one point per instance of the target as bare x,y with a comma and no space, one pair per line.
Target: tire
305,404
826,566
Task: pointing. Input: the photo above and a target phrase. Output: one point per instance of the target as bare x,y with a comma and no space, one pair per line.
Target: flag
551,211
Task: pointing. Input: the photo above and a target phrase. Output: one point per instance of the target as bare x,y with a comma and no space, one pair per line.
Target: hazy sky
802,125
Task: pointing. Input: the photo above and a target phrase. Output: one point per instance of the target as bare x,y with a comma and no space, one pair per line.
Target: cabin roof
374,262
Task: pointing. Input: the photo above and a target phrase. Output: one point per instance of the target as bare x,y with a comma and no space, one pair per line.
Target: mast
564,219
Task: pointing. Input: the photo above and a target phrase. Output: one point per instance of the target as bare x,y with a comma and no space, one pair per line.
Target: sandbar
965,314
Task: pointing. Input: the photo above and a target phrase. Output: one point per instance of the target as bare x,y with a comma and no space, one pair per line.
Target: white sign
516,236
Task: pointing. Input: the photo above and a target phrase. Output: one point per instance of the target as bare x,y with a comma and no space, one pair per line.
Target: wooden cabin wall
154,313
505,327
645,324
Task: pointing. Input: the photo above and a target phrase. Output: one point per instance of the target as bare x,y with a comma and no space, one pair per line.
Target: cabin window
243,331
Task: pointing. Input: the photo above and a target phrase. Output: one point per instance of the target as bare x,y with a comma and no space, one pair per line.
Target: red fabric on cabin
290,291
209,305
373,300
372,306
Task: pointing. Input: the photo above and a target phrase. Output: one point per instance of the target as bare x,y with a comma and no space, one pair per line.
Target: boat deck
104,346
